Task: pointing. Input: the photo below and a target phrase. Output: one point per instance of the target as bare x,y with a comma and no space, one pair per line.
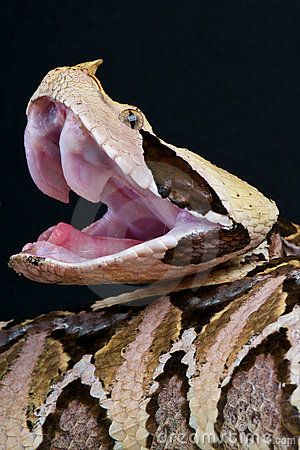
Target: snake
206,354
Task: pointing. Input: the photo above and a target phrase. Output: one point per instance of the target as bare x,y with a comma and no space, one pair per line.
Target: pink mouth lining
62,155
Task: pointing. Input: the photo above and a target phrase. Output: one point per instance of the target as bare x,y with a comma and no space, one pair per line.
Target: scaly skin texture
253,214
201,368
211,362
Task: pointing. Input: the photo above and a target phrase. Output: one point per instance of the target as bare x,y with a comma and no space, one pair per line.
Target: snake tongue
84,245
86,168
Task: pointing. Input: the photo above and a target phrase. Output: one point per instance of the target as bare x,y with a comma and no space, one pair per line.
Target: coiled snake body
212,359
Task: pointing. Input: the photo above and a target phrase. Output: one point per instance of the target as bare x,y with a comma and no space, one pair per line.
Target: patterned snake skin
209,363
213,367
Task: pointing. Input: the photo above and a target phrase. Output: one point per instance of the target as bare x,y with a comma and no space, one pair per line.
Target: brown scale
86,332
198,305
176,180
199,248
110,356
168,423
253,406
78,422
7,357
52,363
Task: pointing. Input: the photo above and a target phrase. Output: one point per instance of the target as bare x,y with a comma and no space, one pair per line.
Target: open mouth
62,155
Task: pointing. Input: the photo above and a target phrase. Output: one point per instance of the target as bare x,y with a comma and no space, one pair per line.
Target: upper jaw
62,155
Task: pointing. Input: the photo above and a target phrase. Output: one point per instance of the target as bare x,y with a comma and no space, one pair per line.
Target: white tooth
84,166
213,217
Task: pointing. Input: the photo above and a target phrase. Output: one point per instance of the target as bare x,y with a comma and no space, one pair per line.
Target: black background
218,77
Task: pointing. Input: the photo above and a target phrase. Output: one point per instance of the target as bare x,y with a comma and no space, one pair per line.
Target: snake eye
132,118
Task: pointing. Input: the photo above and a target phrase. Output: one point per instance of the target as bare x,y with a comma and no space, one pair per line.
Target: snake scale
207,355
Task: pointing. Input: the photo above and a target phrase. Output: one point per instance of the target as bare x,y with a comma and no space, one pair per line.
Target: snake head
170,212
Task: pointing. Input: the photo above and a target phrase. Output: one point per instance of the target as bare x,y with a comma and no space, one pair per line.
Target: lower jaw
140,264
66,244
